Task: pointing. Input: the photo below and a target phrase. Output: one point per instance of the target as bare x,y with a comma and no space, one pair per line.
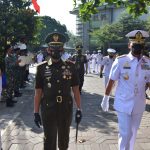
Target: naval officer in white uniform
132,71
107,64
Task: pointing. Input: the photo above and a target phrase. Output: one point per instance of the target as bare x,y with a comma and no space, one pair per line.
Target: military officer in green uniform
81,64
55,80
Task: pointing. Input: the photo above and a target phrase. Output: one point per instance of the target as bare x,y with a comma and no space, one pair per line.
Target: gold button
57,70
58,81
59,91
47,104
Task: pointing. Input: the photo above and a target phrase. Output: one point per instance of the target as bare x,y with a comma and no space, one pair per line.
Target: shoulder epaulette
43,62
121,56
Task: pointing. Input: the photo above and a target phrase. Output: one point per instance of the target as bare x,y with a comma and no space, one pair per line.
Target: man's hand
101,75
105,103
37,119
78,116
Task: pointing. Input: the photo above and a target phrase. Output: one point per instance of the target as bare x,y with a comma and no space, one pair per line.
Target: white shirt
132,76
88,57
107,63
94,58
99,58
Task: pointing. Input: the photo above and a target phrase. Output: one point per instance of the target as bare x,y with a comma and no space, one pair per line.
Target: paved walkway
98,129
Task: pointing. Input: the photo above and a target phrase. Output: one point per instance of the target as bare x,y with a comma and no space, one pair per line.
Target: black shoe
17,94
10,104
13,101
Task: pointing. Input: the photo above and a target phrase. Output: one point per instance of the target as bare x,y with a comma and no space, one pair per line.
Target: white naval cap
110,50
137,36
99,51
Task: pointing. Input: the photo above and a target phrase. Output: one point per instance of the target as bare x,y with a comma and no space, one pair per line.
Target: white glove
105,103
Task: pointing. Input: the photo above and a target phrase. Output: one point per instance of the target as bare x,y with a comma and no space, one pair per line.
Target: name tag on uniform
126,66
145,67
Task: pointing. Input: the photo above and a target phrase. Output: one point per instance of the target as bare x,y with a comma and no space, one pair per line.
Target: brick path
98,129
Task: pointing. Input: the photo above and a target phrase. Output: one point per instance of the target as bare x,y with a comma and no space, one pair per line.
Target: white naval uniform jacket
107,63
132,76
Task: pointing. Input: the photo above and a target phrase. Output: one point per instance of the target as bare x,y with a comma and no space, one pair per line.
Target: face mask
79,52
56,54
110,56
137,49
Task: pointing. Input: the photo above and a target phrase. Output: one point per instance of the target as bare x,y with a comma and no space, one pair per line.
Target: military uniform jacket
56,81
80,60
132,76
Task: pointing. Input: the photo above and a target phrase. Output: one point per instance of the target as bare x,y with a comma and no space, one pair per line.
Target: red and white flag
36,6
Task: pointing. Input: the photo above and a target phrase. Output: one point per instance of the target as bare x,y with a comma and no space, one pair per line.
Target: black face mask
110,56
56,54
79,52
137,49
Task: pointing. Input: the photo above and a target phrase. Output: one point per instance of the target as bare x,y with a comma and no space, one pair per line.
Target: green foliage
49,25
134,7
16,20
115,33
73,40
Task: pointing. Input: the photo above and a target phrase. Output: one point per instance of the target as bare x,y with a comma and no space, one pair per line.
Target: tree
16,20
134,7
115,33
49,25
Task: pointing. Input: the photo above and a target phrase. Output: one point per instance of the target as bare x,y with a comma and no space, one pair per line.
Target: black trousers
81,81
57,121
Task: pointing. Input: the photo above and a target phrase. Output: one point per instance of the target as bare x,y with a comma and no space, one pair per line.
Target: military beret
79,47
110,50
137,36
55,39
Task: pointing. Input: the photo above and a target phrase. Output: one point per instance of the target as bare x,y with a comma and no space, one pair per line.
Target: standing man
55,80
10,64
80,60
99,58
107,64
88,57
94,61
132,71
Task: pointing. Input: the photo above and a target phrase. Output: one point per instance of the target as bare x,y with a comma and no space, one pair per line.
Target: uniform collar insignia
49,62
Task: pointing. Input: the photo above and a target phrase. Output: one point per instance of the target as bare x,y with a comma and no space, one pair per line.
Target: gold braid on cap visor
139,39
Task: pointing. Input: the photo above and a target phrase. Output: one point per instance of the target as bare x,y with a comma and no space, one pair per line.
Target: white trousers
128,126
106,80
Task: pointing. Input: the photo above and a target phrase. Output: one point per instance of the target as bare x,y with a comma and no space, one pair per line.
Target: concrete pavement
98,129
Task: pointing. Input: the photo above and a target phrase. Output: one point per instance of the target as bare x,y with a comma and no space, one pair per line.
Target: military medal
64,76
126,76
63,67
49,85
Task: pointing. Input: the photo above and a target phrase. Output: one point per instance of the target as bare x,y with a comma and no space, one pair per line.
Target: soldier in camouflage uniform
10,64
16,73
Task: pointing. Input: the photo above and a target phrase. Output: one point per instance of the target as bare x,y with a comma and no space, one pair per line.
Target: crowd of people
59,75
14,74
